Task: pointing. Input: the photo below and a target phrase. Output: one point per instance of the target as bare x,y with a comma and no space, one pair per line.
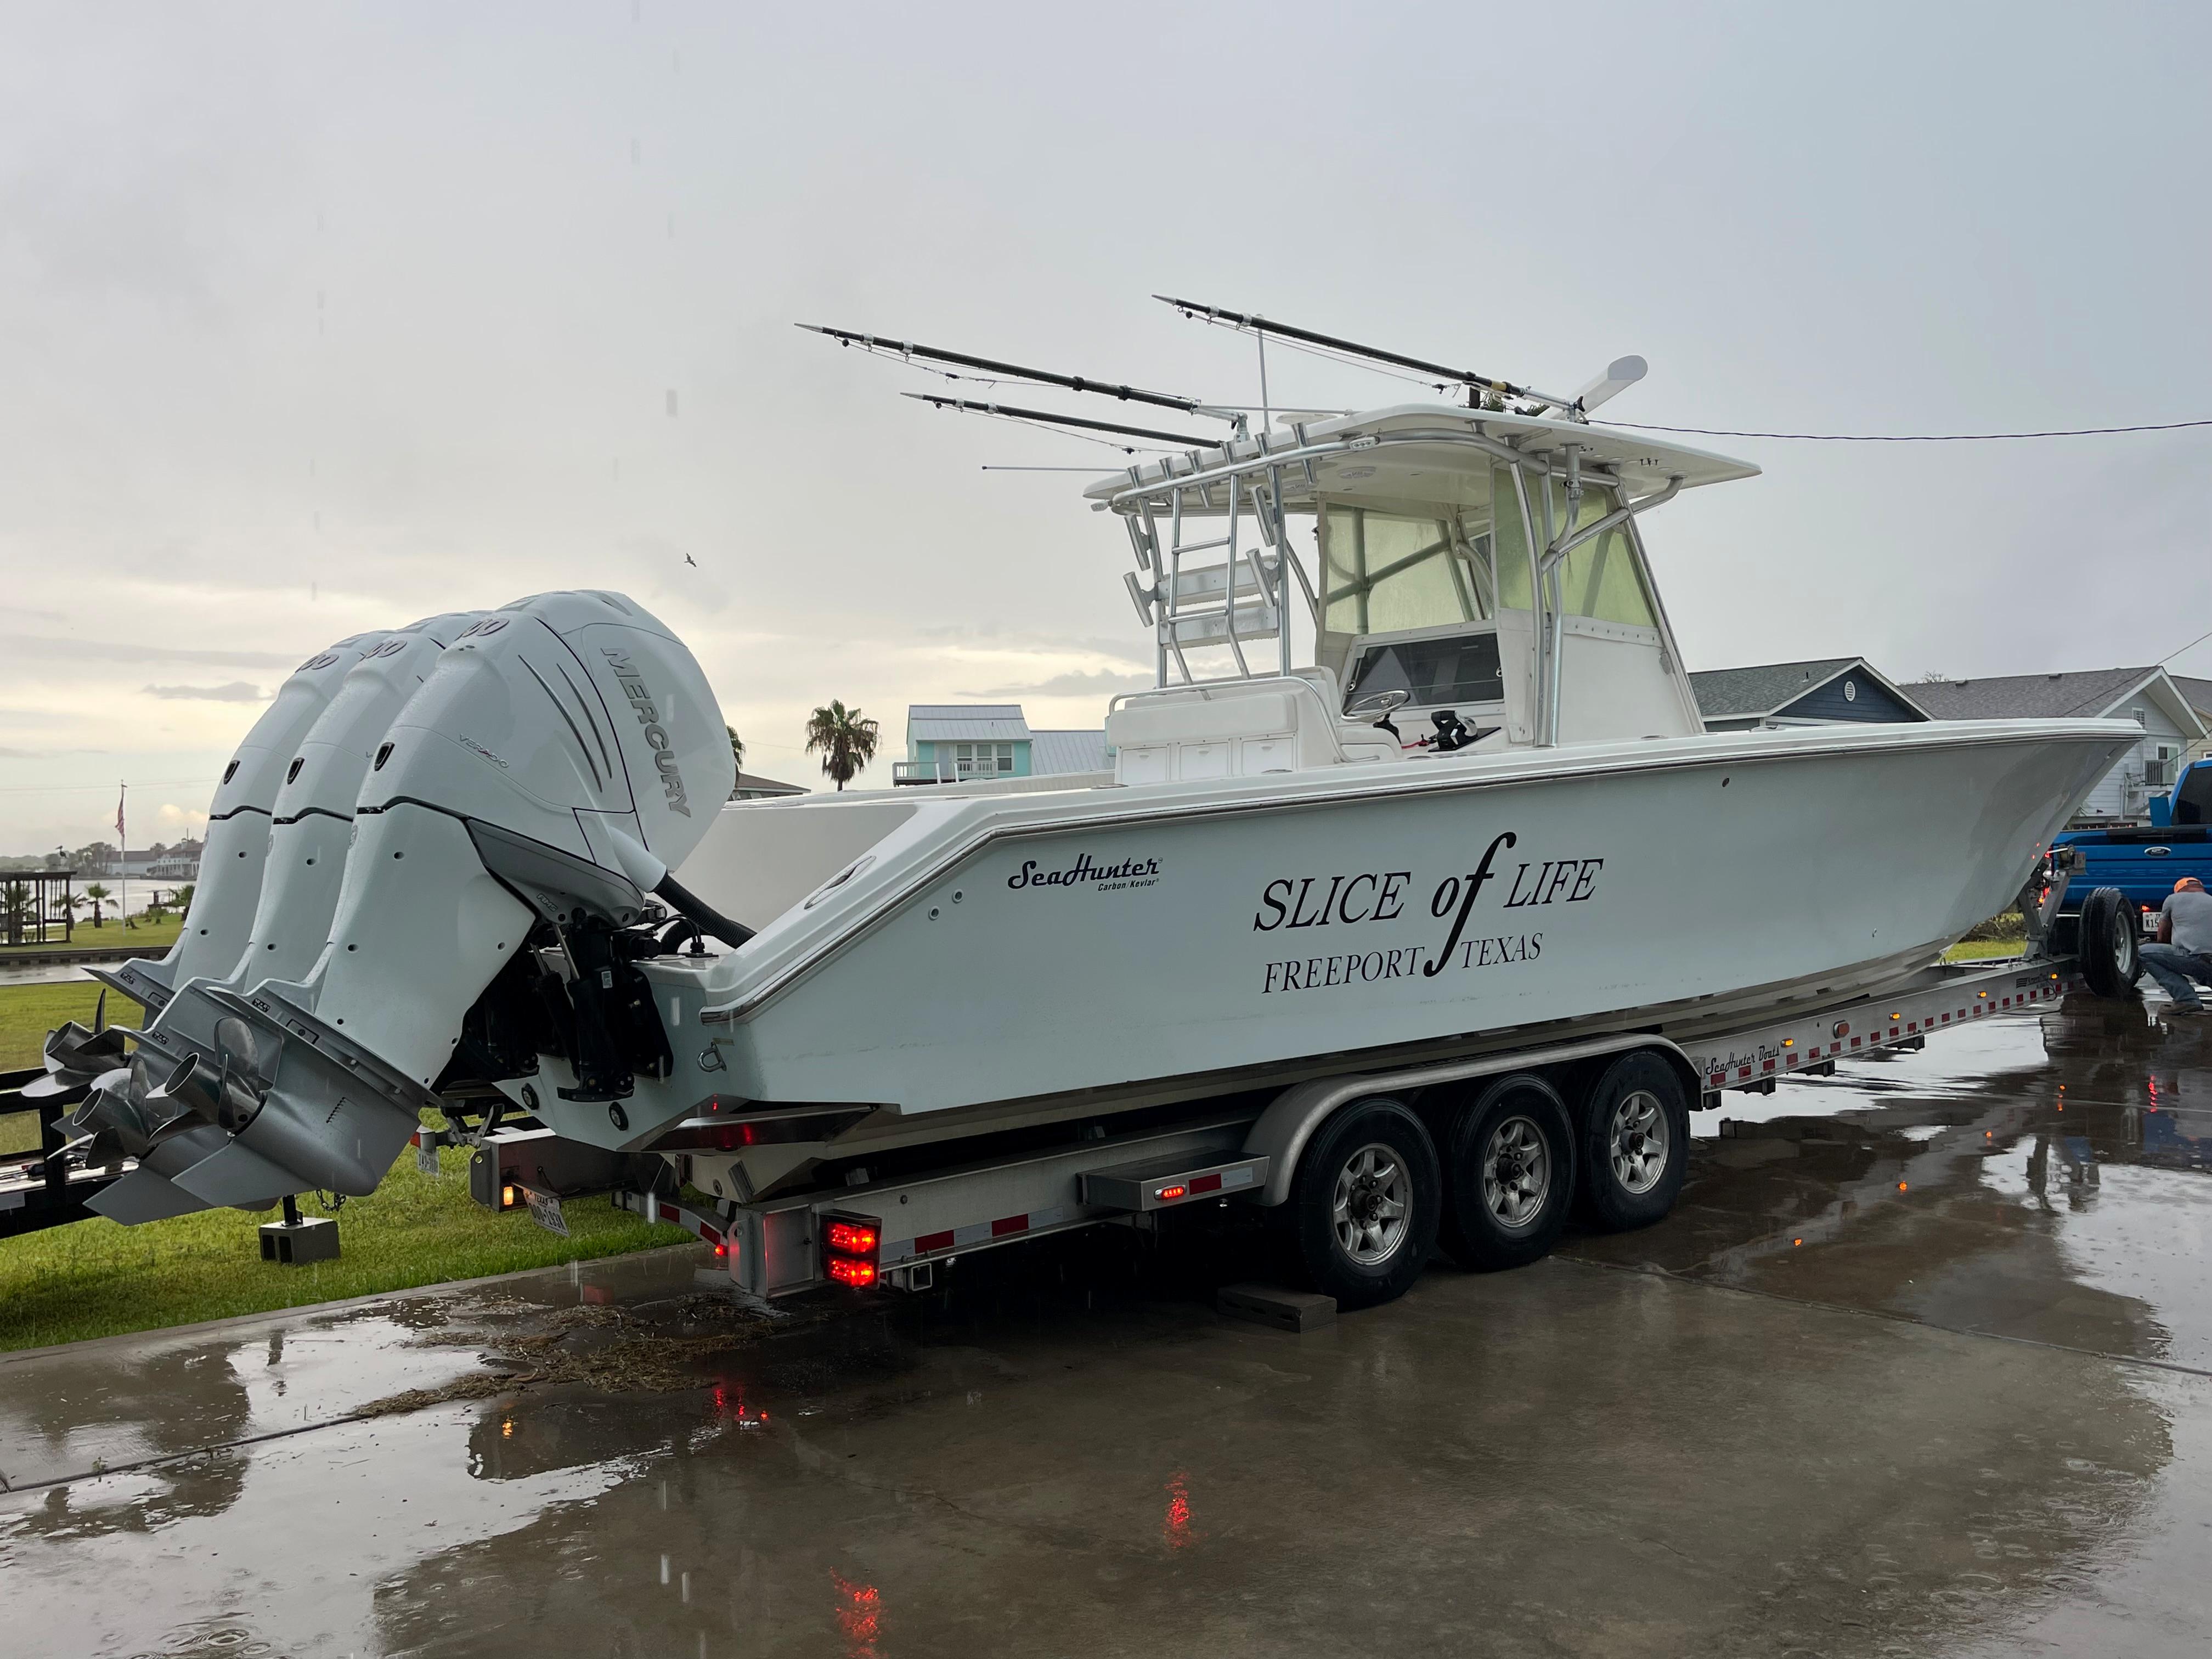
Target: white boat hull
1098,942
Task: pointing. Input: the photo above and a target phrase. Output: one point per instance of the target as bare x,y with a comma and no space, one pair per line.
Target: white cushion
1150,722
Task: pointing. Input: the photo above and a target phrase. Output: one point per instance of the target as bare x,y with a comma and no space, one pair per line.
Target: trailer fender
1282,1131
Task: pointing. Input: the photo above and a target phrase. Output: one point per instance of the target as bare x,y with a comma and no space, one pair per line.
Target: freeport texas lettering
1369,897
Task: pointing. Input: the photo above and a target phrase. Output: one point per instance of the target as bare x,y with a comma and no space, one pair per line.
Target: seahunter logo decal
1370,896
1107,877
656,734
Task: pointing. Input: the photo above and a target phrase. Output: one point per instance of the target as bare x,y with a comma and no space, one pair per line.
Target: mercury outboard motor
312,828
231,864
565,751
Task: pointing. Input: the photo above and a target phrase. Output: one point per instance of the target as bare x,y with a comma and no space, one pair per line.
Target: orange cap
2187,882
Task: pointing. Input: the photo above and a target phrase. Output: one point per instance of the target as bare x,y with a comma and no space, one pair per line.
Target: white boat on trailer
1413,934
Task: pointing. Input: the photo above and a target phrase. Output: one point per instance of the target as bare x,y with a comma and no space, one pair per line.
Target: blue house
1821,692
954,743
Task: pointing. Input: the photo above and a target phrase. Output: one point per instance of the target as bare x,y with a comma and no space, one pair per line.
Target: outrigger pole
1467,378
1073,382
1180,439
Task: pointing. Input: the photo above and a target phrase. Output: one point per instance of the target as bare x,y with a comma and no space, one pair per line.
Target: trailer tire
2108,938
1365,1203
1635,1142
1510,1175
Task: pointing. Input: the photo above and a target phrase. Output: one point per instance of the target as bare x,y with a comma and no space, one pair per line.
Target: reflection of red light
847,1272
852,1238
1175,1527
859,1616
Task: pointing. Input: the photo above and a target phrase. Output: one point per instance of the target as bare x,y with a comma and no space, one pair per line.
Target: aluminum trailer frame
778,1247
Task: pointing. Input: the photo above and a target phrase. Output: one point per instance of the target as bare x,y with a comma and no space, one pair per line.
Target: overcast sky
318,318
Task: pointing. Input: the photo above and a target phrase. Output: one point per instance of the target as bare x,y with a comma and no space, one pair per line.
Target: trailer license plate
425,1157
545,1211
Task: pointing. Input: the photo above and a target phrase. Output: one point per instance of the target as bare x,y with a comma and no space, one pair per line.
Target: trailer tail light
851,1248
511,1196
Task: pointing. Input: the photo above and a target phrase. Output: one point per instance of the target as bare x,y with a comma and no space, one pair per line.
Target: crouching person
2183,951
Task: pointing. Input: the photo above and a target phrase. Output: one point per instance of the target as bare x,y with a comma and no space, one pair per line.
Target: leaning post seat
1234,729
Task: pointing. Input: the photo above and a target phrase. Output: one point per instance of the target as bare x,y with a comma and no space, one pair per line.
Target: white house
950,742
2199,693
2172,728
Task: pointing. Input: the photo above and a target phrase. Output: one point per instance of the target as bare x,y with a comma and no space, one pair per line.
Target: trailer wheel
1635,1142
2109,938
1511,1175
1364,1204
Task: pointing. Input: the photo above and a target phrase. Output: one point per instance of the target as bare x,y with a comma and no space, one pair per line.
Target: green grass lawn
95,1278
1981,950
140,934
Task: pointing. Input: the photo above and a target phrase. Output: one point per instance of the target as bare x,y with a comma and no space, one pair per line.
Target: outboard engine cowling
311,830
561,745
236,848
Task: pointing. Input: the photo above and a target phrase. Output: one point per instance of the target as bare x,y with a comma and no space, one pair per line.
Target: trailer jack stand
297,1239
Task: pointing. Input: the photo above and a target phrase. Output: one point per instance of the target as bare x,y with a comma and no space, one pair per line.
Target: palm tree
184,897
96,895
15,908
845,738
736,747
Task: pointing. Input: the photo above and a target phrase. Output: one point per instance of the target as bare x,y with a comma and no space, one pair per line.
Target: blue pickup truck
2144,864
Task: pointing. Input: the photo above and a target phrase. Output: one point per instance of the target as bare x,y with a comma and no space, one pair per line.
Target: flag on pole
122,840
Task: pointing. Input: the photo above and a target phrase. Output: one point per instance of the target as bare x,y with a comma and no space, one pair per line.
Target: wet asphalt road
1922,1364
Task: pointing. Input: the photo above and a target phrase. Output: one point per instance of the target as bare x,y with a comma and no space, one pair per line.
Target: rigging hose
695,909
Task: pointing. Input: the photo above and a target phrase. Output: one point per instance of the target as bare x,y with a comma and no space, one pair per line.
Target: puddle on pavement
2043,1177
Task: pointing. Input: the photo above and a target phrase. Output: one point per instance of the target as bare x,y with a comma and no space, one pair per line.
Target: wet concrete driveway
1923,1364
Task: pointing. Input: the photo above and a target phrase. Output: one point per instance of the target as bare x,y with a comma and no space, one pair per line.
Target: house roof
1052,753
751,783
2084,694
1767,688
2199,693
968,722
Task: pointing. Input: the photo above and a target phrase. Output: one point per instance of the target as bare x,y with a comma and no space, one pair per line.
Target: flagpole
123,847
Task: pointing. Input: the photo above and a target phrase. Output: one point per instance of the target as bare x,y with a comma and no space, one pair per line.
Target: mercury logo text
656,734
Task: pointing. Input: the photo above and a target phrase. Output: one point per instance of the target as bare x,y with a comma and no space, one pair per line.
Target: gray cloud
1103,682
45,647
235,691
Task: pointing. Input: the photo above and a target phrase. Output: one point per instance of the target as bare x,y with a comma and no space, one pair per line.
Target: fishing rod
1073,382
1467,378
1179,439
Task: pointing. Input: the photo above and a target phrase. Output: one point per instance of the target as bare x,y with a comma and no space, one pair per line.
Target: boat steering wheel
1376,707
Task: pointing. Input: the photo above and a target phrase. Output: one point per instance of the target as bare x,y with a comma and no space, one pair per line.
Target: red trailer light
850,1244
1168,1194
